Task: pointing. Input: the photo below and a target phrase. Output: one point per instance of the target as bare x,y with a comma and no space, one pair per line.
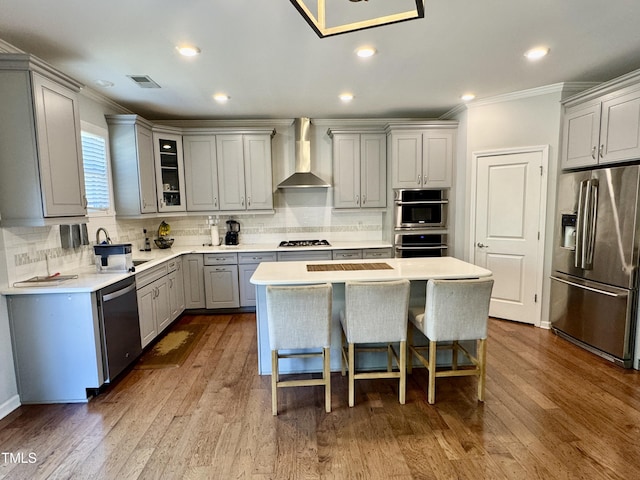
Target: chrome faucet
106,234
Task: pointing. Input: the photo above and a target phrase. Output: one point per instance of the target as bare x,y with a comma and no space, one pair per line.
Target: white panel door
507,214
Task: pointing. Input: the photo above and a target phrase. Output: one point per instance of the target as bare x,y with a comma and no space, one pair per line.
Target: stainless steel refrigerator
595,261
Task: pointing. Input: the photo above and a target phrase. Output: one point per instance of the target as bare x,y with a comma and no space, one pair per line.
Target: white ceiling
268,60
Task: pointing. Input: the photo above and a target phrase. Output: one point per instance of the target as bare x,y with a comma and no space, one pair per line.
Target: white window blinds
96,172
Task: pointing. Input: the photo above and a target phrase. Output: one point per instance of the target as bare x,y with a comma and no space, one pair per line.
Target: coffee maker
233,233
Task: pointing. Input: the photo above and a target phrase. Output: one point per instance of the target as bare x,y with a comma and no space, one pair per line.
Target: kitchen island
337,272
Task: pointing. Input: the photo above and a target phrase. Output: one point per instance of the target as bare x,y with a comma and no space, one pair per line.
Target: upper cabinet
421,155
602,125
41,171
359,169
132,164
244,171
201,173
170,184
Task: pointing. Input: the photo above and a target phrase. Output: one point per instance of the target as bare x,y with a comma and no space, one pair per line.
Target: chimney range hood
303,178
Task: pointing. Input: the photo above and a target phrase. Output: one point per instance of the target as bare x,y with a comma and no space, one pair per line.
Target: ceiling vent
143,81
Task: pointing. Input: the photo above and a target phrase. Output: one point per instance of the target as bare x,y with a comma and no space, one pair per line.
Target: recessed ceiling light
221,97
188,50
346,97
536,53
104,83
365,52
467,97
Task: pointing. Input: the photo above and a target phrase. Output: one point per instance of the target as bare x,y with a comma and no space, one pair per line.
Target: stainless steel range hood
303,178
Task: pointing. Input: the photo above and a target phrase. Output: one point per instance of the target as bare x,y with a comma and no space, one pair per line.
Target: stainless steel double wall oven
420,222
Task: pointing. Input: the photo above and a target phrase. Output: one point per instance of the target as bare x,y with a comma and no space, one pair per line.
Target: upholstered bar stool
299,318
455,310
375,312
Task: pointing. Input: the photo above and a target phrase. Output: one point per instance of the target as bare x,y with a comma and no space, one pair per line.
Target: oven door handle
423,202
426,247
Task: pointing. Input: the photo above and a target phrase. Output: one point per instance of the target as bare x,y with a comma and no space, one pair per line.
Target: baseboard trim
9,406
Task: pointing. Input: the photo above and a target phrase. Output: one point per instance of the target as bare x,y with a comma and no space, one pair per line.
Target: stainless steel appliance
420,208
595,260
412,245
420,222
304,243
232,236
306,252
119,326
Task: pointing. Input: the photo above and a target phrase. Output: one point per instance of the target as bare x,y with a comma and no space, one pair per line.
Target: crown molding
98,97
563,88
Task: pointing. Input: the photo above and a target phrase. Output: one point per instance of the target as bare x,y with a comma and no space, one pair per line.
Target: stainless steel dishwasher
119,326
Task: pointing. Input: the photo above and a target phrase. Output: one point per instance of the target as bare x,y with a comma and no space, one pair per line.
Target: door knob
482,245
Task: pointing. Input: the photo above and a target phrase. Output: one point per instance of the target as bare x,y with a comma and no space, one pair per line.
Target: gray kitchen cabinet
132,165
41,170
247,264
154,307
602,130
244,172
201,173
304,255
366,253
359,169
349,254
421,158
176,287
221,280
193,277
169,166
377,253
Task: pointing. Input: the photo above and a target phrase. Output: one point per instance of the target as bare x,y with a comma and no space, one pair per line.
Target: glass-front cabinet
169,172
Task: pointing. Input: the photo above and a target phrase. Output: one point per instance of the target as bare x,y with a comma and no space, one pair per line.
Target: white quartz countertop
292,273
90,281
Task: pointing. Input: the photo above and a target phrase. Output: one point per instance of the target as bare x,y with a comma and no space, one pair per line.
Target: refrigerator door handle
591,289
593,217
580,227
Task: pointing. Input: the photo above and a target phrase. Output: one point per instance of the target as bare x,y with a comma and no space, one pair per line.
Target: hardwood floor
552,411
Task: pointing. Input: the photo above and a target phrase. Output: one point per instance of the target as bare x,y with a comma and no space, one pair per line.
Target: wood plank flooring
552,411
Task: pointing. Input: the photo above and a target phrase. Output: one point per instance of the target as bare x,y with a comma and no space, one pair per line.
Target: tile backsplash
34,251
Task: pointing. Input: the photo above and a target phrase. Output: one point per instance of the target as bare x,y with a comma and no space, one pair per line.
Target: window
97,177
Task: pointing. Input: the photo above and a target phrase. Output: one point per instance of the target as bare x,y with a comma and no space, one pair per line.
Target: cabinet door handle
242,201
593,152
601,152
215,202
357,199
248,201
419,179
85,202
364,199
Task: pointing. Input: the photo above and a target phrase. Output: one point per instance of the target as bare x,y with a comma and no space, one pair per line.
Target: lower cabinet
193,276
247,264
160,293
176,288
221,280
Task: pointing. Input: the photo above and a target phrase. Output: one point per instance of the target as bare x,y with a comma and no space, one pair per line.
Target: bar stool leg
326,374
274,382
352,380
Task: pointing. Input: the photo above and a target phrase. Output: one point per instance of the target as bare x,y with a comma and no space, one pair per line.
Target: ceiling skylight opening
365,52
221,97
536,53
467,97
346,97
188,50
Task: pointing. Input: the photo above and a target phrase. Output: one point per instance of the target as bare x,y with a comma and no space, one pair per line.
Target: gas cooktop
304,243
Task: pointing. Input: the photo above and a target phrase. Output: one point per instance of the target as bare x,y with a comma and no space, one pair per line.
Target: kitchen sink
139,262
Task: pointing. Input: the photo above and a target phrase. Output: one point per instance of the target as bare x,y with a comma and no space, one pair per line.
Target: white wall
530,118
